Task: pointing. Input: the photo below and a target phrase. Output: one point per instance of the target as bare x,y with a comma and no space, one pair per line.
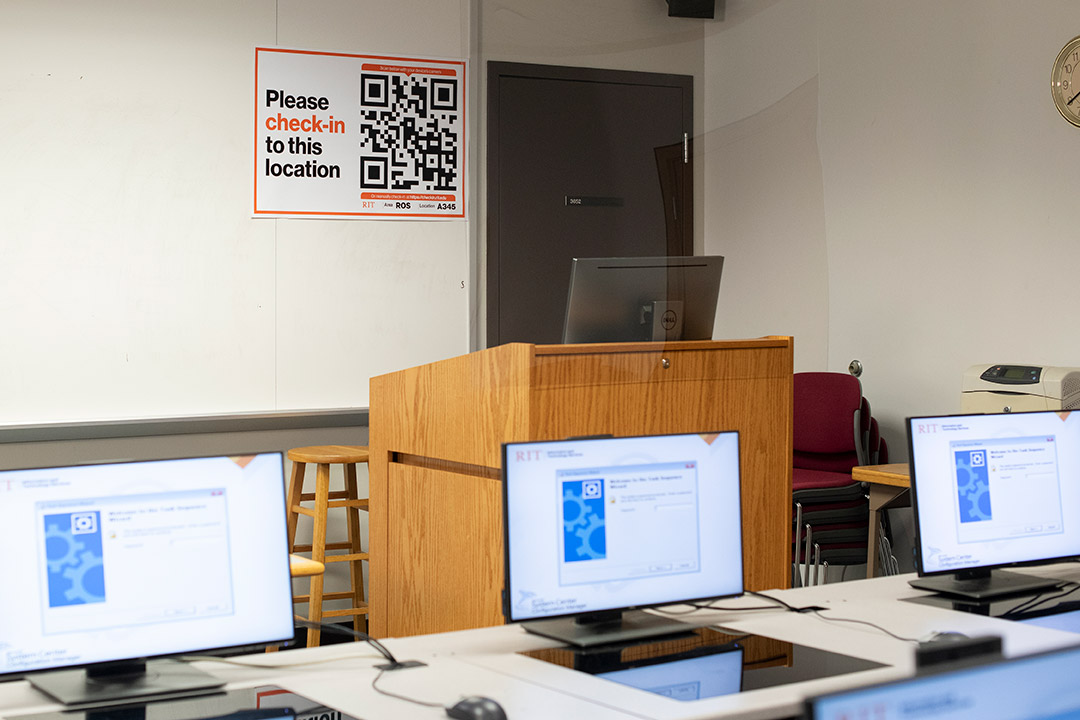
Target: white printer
1015,388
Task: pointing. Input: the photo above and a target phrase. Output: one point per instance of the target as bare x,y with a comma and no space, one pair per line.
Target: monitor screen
1027,688
610,524
122,561
642,299
695,677
990,491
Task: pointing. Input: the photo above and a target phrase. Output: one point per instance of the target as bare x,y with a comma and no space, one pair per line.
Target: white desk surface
485,661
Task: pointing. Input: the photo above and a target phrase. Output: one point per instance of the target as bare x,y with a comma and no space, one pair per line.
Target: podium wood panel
449,527
436,434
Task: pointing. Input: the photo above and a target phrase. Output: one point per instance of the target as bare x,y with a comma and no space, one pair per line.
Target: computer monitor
108,565
598,528
642,299
694,674
1026,688
991,491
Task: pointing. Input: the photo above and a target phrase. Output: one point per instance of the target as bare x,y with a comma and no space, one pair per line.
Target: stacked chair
833,432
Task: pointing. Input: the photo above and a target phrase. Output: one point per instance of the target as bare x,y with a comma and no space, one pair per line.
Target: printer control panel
1012,374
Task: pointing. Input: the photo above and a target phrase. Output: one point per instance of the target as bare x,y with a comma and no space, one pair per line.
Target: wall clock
1065,82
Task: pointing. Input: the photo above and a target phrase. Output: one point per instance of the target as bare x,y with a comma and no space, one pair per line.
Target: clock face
1065,81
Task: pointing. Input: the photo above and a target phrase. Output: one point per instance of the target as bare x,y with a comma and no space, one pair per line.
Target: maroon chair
830,424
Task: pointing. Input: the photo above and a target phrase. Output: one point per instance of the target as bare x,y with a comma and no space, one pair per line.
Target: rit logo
928,428
527,455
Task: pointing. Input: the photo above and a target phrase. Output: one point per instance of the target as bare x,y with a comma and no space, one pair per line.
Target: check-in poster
358,136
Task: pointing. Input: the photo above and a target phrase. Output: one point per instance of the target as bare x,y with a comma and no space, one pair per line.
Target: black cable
710,606
330,627
394,664
778,601
1040,599
817,612
379,690
694,609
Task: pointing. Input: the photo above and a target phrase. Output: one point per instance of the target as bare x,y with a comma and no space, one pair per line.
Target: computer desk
889,485
486,661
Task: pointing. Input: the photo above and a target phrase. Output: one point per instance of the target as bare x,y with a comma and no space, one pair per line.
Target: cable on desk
778,601
376,688
1037,600
710,606
817,610
269,666
864,622
341,630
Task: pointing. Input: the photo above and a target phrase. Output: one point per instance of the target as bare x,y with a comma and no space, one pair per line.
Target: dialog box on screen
1007,488
626,522
126,560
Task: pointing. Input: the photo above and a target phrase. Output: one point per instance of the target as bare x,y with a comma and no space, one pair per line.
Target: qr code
410,132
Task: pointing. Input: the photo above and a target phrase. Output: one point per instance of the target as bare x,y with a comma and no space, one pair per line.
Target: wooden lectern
436,433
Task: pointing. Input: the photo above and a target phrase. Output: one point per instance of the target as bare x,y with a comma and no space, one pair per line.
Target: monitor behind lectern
642,299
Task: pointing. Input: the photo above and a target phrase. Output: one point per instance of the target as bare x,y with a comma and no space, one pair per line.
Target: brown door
581,163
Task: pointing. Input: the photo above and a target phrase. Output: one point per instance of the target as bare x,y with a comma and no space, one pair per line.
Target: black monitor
598,528
1027,688
992,491
642,299
108,565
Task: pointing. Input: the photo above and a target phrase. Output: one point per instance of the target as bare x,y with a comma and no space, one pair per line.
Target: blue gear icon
977,496
573,519
586,534
78,576
975,492
61,548
967,483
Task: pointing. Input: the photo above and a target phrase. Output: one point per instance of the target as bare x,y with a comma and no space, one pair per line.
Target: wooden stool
300,567
324,499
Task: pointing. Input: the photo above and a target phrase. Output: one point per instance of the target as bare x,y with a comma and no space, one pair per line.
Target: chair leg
356,567
806,555
296,486
796,578
318,550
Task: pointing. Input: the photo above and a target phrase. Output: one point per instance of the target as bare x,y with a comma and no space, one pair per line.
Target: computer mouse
476,707
946,636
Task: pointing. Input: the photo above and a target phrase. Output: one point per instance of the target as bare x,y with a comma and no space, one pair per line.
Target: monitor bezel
254,645
975,663
919,566
586,273
506,593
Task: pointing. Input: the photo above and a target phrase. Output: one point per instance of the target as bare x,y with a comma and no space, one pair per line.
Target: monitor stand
605,628
983,584
125,682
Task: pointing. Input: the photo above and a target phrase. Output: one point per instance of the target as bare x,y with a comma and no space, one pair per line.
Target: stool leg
356,567
318,550
296,486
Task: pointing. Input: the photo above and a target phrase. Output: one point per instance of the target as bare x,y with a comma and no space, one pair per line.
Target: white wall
889,182
945,187
948,176
764,206
136,283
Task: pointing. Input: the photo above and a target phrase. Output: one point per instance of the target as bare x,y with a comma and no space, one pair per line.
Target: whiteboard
136,282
